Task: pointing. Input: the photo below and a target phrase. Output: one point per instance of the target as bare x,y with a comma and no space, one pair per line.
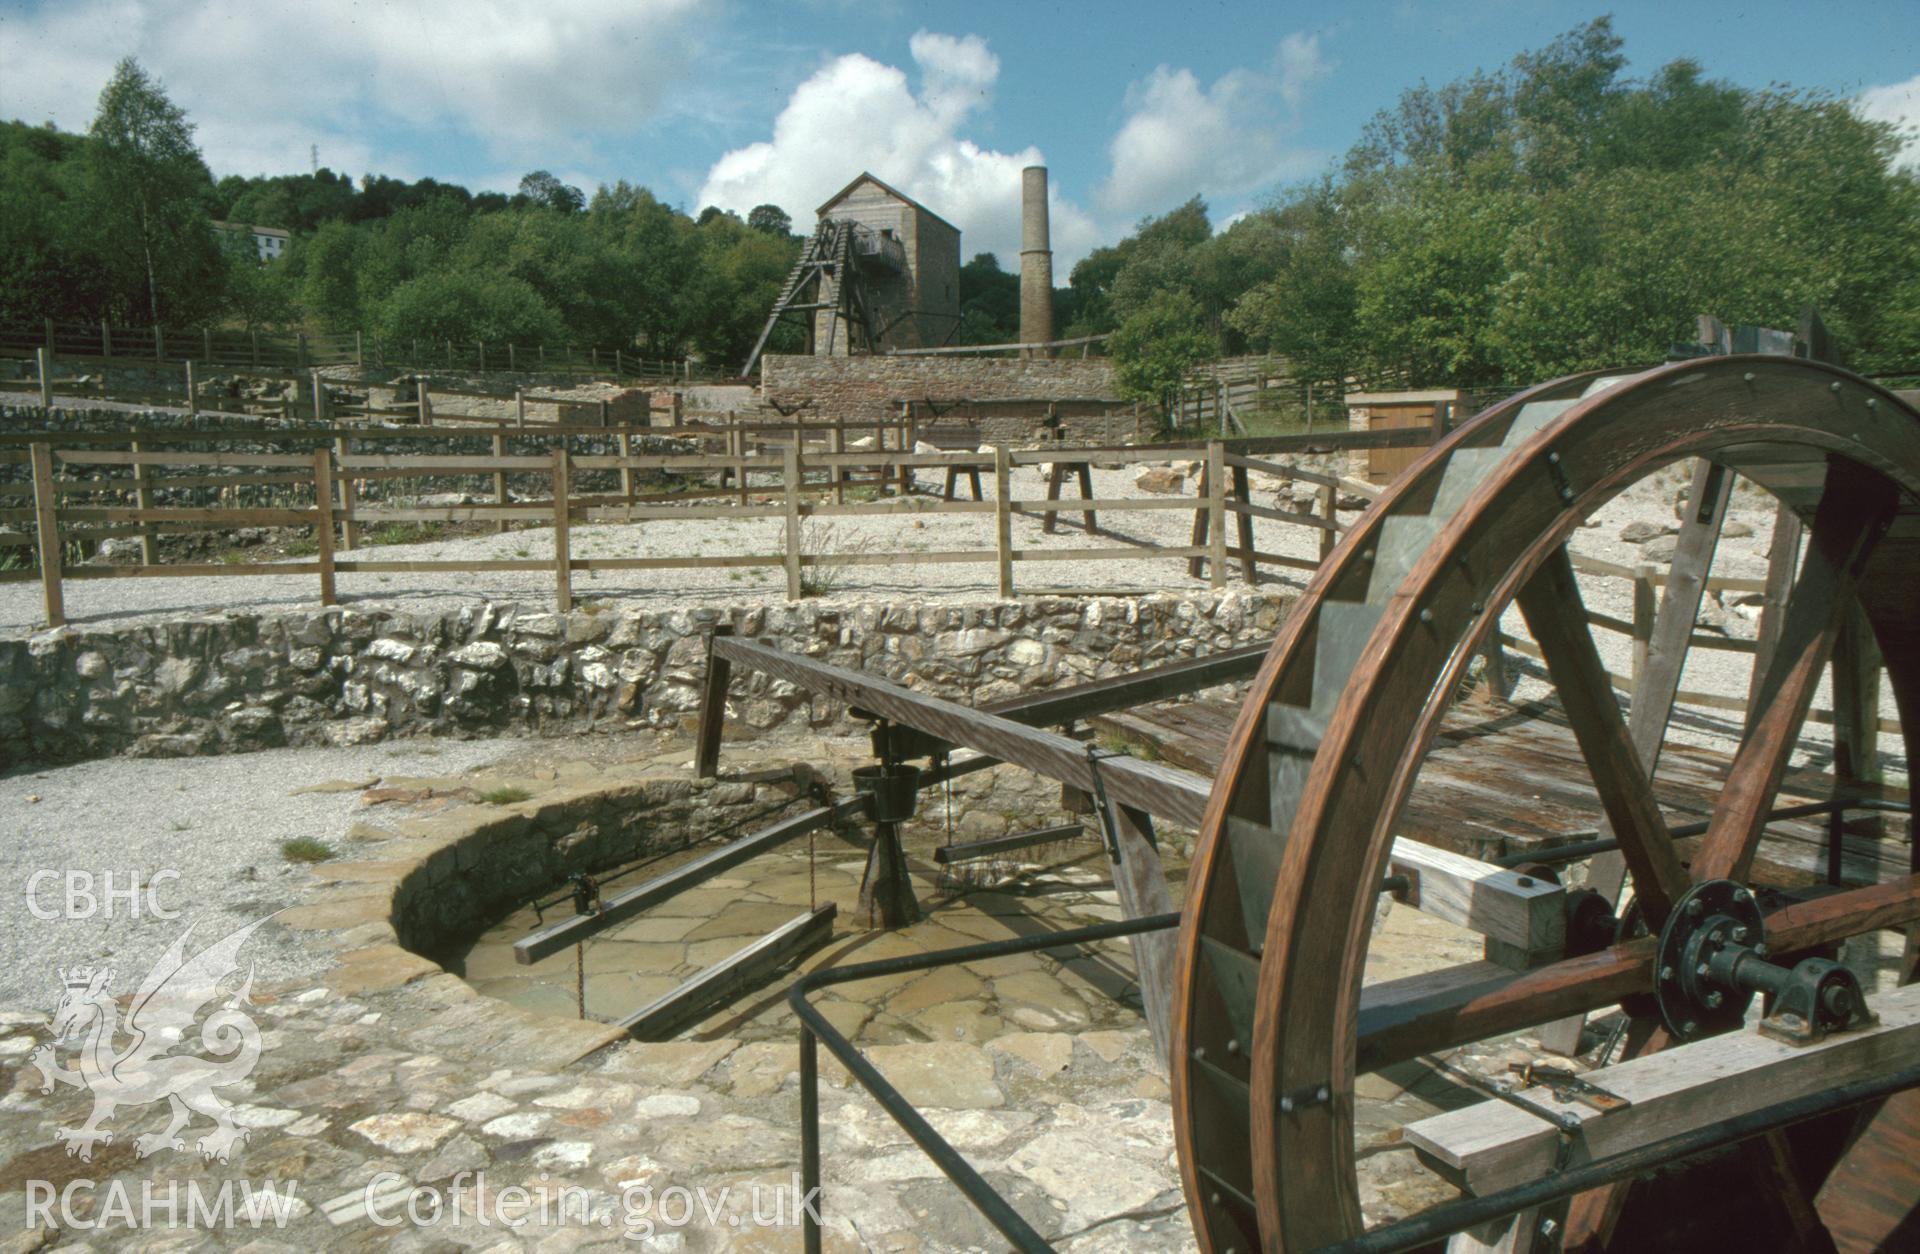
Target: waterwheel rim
1305,798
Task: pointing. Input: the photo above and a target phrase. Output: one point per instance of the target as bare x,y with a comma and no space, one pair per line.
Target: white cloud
533,84
856,114
1223,141
1898,103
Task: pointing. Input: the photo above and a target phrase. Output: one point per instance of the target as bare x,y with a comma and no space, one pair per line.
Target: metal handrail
814,1028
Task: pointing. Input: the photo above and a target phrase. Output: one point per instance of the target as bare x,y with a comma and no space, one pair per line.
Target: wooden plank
47,531
82,457
728,978
1783,558
1495,1145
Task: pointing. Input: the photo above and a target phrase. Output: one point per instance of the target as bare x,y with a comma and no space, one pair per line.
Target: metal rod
1442,1221
994,1208
810,1140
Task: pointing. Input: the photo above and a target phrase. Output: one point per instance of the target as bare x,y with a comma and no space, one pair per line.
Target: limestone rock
1045,1052
946,1074
1162,480
405,1132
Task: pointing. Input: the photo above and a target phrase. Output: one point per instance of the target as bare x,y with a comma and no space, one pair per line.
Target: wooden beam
728,978
1494,1145
1402,1019
1523,918
994,846
1142,888
47,532
555,937
1160,790
713,706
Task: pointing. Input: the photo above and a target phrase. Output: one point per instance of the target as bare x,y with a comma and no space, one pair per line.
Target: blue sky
1134,106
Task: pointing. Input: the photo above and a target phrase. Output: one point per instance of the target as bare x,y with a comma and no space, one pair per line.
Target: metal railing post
810,1193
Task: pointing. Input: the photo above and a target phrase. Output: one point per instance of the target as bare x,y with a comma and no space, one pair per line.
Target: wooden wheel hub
1270,1024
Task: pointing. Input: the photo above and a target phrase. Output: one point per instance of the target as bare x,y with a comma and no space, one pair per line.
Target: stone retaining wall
232,682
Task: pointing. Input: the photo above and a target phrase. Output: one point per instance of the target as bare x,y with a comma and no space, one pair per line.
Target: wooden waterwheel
1270,1024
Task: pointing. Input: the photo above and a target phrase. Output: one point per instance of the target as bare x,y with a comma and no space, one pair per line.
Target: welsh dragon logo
159,1015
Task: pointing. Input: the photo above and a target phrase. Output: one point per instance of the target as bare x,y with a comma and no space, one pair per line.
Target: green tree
770,218
145,196
1157,345
464,307
543,191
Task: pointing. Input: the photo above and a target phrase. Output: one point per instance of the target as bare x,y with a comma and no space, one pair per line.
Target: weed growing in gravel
181,825
305,849
1141,749
505,795
819,540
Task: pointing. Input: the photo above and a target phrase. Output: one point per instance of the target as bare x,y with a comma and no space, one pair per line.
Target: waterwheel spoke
1556,615
1853,513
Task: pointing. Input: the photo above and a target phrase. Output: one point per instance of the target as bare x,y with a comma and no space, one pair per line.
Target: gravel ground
217,823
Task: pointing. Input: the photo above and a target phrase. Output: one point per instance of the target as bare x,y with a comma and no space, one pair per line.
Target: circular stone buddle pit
1062,884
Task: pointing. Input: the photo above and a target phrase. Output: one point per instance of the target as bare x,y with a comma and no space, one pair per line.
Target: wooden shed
1373,411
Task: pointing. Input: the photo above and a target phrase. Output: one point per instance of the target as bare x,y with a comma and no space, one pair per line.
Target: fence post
323,519
1217,514
143,498
359,352
47,524
426,406
837,441
562,517
1327,502
300,350
49,329
193,394
677,398
253,343
206,343
519,407
480,348
617,369
500,479
349,497
793,518
159,344
606,411
1003,516
512,367
737,443
450,365
1644,605
319,396
626,472
43,359
106,339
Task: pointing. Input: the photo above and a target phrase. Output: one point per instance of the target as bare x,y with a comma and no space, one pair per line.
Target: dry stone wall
232,682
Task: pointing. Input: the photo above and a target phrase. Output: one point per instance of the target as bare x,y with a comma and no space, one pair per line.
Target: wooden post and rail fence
797,484
296,351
